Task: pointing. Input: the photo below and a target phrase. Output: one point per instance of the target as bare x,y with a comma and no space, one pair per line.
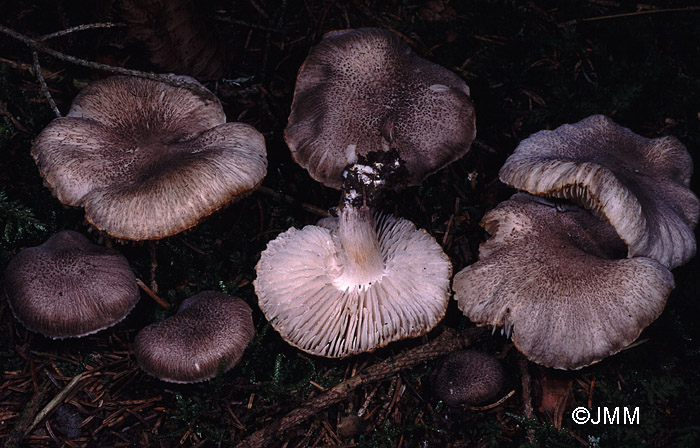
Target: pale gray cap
555,281
69,287
365,91
321,304
640,185
147,159
207,335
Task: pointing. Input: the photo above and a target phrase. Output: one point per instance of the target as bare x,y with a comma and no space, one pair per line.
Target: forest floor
530,66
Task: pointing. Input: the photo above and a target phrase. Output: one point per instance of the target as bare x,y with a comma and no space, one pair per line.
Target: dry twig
151,294
447,342
308,207
630,14
30,418
37,45
42,83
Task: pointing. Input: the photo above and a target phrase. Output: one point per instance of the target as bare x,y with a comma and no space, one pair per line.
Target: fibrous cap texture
640,185
69,287
555,281
365,91
207,335
146,159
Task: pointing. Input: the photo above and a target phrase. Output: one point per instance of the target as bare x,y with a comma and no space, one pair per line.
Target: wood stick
26,424
42,83
630,14
308,207
73,29
151,294
21,429
38,46
447,342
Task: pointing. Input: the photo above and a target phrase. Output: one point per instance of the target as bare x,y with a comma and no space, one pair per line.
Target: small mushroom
558,282
69,287
365,91
148,160
353,283
639,185
467,377
207,335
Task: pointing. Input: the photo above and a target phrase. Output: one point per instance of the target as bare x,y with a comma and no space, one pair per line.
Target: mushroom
365,91
558,282
69,287
148,160
207,335
639,185
353,283
467,377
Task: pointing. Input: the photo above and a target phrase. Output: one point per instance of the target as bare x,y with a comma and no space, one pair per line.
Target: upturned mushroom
467,377
69,287
146,159
559,284
364,91
207,335
353,283
639,185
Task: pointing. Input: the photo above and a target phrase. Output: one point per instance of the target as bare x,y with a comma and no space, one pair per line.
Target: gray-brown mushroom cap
556,282
639,185
365,91
69,287
467,377
350,285
207,336
146,159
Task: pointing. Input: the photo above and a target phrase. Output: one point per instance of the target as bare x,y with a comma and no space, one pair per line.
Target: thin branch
42,82
629,14
23,426
495,404
38,46
151,294
447,342
526,381
89,26
308,207
249,25
21,429
55,401
154,265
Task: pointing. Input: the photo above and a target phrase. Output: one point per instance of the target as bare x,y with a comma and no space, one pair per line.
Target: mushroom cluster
639,185
367,114
146,160
574,282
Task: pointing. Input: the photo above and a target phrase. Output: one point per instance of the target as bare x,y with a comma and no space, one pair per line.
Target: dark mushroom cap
69,287
556,282
467,377
337,289
207,335
639,185
365,91
146,159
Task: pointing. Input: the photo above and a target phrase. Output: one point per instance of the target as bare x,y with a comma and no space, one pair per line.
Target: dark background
530,66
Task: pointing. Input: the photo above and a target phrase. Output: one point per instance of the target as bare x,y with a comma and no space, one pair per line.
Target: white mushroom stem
363,262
